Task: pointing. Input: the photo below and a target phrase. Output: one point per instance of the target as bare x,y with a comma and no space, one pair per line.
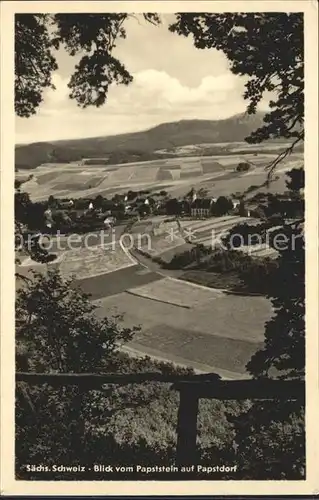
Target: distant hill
139,146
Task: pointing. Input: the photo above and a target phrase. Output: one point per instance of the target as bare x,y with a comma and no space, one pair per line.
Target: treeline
33,155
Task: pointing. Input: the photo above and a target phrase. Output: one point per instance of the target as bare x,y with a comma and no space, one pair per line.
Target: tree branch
271,166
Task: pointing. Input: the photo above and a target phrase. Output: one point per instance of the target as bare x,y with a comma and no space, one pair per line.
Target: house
66,204
201,207
109,222
78,213
235,203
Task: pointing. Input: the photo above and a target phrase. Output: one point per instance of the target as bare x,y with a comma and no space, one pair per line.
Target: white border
11,487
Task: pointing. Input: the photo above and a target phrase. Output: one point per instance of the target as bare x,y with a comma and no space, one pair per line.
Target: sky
172,80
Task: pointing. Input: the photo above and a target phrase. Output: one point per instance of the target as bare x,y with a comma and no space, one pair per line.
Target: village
101,213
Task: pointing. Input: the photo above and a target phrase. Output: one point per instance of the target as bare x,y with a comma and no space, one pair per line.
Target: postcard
159,249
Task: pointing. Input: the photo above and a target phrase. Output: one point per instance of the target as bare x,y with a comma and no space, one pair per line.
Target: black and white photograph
159,243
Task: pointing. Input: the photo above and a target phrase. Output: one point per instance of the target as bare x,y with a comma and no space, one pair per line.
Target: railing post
186,450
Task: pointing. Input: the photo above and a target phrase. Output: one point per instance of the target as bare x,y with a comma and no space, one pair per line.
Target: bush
251,188
258,275
231,260
243,167
222,206
247,234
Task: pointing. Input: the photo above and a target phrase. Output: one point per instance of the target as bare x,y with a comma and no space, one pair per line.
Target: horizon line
245,113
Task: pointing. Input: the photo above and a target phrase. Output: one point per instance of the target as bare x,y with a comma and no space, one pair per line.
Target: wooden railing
191,388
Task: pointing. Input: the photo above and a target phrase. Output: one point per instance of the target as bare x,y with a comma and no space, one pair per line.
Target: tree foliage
283,354
29,218
37,36
57,320
271,435
296,182
34,61
222,206
270,440
243,167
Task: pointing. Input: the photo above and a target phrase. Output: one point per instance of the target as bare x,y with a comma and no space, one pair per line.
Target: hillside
139,145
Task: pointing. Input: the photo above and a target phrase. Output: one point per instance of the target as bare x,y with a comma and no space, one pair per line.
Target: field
84,261
162,244
207,232
175,292
106,285
156,235
177,175
217,330
88,262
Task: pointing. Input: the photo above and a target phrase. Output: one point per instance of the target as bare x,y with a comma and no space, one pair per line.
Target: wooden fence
191,389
